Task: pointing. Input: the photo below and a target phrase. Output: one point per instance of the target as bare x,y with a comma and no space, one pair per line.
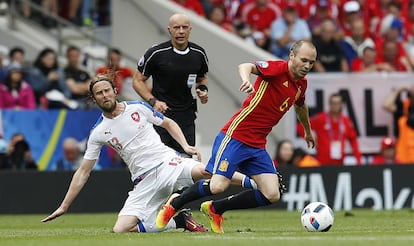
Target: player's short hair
101,77
298,44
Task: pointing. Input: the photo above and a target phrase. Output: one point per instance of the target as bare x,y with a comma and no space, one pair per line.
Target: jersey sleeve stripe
245,112
204,54
152,54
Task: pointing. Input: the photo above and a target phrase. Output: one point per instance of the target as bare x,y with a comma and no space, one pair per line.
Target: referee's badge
263,64
224,164
141,61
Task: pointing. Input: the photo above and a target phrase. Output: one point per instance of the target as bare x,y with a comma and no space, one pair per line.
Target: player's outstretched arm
302,113
175,131
78,181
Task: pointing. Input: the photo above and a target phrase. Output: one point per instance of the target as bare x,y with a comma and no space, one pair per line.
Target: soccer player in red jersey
241,142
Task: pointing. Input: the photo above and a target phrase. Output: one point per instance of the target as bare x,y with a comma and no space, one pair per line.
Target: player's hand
203,95
191,151
247,87
310,141
160,106
54,215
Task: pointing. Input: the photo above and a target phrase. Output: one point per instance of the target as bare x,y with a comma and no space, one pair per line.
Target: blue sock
194,192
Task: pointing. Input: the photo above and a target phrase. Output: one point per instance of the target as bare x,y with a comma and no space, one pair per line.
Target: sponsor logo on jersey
286,83
263,64
135,116
224,164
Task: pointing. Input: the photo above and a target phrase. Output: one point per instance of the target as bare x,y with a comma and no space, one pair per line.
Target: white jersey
131,134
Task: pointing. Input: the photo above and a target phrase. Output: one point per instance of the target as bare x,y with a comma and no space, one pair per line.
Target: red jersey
380,160
276,92
260,19
327,131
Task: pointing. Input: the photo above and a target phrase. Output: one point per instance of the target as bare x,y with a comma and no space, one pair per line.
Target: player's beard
108,106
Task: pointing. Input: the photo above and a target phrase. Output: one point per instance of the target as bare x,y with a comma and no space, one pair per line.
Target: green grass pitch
250,227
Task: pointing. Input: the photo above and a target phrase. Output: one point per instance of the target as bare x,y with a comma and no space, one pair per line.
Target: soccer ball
317,216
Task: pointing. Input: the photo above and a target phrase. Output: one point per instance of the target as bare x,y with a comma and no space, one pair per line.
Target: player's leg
125,223
130,223
261,169
223,164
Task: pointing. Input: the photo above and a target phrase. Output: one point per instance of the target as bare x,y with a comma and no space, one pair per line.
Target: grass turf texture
250,227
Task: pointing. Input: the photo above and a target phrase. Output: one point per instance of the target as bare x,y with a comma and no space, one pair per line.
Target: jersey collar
182,52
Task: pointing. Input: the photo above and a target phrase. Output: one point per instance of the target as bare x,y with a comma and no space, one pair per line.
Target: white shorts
147,197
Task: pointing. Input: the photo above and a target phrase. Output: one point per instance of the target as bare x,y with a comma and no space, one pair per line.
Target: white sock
151,227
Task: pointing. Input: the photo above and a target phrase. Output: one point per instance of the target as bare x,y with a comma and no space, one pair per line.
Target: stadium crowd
350,36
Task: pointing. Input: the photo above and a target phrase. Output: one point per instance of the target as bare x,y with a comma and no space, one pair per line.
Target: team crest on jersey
141,61
135,116
263,64
224,164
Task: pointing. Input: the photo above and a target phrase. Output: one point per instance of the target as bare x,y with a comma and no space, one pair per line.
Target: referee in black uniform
175,66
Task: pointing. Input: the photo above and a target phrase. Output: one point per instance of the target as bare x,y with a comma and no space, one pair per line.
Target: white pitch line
291,238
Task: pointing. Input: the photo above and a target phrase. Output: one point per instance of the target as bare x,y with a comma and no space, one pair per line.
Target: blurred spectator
376,9
355,43
17,55
79,12
3,70
390,46
301,158
368,62
120,73
257,17
3,152
322,13
387,154
391,56
48,82
72,155
193,5
49,6
397,103
19,156
77,80
217,15
284,153
351,12
409,31
15,93
409,22
405,142
332,130
331,57
286,30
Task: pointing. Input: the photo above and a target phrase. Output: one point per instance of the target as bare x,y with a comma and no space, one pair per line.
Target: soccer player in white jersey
156,170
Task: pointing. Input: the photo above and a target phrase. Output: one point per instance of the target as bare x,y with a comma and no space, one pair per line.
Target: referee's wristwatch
152,101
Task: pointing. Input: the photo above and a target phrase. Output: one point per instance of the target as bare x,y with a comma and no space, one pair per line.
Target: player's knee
119,229
272,196
123,228
217,187
198,172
